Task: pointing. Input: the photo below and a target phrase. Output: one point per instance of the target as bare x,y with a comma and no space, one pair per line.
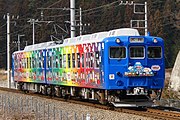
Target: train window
30,62
82,60
39,62
20,63
60,61
54,61
24,63
137,52
97,61
34,62
154,52
64,61
87,60
57,61
43,62
73,60
78,60
27,62
49,62
117,52
91,60
69,61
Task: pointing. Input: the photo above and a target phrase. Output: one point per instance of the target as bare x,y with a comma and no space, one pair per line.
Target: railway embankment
23,106
29,107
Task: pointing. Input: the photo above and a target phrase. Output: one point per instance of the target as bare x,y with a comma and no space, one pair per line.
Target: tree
158,24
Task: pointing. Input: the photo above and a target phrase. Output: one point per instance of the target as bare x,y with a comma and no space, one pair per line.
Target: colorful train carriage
114,66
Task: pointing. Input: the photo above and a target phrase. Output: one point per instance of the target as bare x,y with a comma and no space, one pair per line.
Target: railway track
148,112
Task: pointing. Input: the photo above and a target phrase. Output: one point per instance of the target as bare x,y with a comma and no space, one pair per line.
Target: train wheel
20,86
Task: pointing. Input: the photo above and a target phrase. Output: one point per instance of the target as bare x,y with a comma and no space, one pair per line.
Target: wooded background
163,21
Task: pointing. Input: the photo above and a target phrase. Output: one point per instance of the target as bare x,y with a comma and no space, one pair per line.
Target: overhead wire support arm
33,22
56,8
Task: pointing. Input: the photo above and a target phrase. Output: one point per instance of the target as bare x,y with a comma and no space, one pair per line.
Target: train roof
89,38
123,32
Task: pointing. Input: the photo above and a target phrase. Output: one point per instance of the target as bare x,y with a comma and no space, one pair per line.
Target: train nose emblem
138,70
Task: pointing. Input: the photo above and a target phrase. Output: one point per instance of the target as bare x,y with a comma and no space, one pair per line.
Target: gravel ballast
42,108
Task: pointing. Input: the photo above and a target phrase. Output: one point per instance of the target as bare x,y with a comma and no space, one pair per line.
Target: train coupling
137,91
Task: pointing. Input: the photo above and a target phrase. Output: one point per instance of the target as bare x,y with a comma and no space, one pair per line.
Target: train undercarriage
117,98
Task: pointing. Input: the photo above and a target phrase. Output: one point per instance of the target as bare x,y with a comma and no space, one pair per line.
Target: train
118,67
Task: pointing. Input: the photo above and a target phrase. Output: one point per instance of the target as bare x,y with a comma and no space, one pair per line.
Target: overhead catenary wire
91,10
106,5
54,3
22,18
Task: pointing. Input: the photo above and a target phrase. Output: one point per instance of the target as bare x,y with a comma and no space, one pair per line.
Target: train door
156,63
55,66
40,71
117,60
154,57
49,76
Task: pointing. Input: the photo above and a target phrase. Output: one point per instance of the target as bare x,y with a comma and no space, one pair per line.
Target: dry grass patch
3,75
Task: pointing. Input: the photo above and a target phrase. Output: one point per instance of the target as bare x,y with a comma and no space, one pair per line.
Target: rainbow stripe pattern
75,65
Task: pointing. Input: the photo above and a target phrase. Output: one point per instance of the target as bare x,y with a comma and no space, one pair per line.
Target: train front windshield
117,52
136,52
154,52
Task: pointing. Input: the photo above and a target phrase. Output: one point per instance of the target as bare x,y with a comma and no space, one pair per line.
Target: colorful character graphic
138,70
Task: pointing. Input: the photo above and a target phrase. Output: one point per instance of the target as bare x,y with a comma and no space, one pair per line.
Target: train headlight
118,40
155,40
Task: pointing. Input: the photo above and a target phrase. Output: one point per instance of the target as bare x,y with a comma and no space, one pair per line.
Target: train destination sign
136,40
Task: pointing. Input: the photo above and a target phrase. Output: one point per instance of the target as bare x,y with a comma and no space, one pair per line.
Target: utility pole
72,11
80,21
145,17
19,41
8,48
33,21
8,51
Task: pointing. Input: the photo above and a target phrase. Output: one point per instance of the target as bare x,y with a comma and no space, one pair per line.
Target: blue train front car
134,69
